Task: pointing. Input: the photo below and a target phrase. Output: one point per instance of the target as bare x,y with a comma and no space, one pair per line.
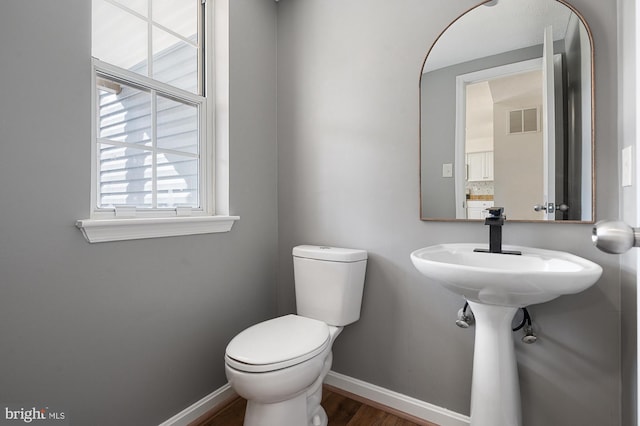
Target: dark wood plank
230,415
392,420
399,415
369,416
339,409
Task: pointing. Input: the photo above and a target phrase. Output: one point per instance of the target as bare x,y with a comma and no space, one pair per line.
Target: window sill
103,230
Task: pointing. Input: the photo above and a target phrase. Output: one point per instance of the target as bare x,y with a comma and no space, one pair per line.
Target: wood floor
343,409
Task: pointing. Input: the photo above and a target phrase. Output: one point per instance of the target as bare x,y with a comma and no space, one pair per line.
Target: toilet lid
277,343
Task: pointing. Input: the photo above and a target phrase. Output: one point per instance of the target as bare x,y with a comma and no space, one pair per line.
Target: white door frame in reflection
460,132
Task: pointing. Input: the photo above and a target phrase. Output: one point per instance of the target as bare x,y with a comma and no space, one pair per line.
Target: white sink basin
536,276
496,285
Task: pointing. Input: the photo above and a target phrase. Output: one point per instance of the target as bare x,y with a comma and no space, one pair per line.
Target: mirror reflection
506,115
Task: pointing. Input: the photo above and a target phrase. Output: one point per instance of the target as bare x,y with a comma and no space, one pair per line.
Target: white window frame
213,214
205,141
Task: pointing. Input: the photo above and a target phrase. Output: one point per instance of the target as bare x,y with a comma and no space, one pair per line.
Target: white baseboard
395,400
198,409
398,401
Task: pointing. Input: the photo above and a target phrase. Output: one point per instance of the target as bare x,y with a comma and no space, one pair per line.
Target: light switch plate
627,166
447,170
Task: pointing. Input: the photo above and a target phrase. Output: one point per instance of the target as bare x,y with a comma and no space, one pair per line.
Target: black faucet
495,219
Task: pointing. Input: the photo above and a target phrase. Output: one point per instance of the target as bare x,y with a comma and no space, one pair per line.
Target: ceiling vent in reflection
523,121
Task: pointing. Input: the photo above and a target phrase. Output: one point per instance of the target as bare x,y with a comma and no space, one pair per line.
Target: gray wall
124,333
348,175
628,134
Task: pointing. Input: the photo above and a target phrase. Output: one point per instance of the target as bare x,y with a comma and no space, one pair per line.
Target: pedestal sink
496,286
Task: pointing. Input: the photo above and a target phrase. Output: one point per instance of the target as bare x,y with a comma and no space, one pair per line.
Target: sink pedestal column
495,391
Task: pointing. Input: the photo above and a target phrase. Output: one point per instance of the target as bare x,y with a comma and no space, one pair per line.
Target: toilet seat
277,343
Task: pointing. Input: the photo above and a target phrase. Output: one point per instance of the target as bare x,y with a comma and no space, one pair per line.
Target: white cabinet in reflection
480,166
477,209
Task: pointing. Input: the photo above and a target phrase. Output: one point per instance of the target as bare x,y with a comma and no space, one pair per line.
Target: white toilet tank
329,283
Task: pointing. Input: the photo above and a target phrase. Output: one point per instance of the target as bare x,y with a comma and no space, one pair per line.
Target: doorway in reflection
503,146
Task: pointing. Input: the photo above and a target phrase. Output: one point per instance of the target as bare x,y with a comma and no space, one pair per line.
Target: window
152,148
523,121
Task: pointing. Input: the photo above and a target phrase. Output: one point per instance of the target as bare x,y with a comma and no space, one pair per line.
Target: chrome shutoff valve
529,337
464,319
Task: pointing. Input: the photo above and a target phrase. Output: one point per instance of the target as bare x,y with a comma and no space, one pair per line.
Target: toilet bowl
279,365
280,374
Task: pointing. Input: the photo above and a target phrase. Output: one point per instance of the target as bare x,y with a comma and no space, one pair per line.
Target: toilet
279,365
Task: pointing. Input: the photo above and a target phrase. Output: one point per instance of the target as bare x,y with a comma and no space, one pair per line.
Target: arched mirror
506,115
